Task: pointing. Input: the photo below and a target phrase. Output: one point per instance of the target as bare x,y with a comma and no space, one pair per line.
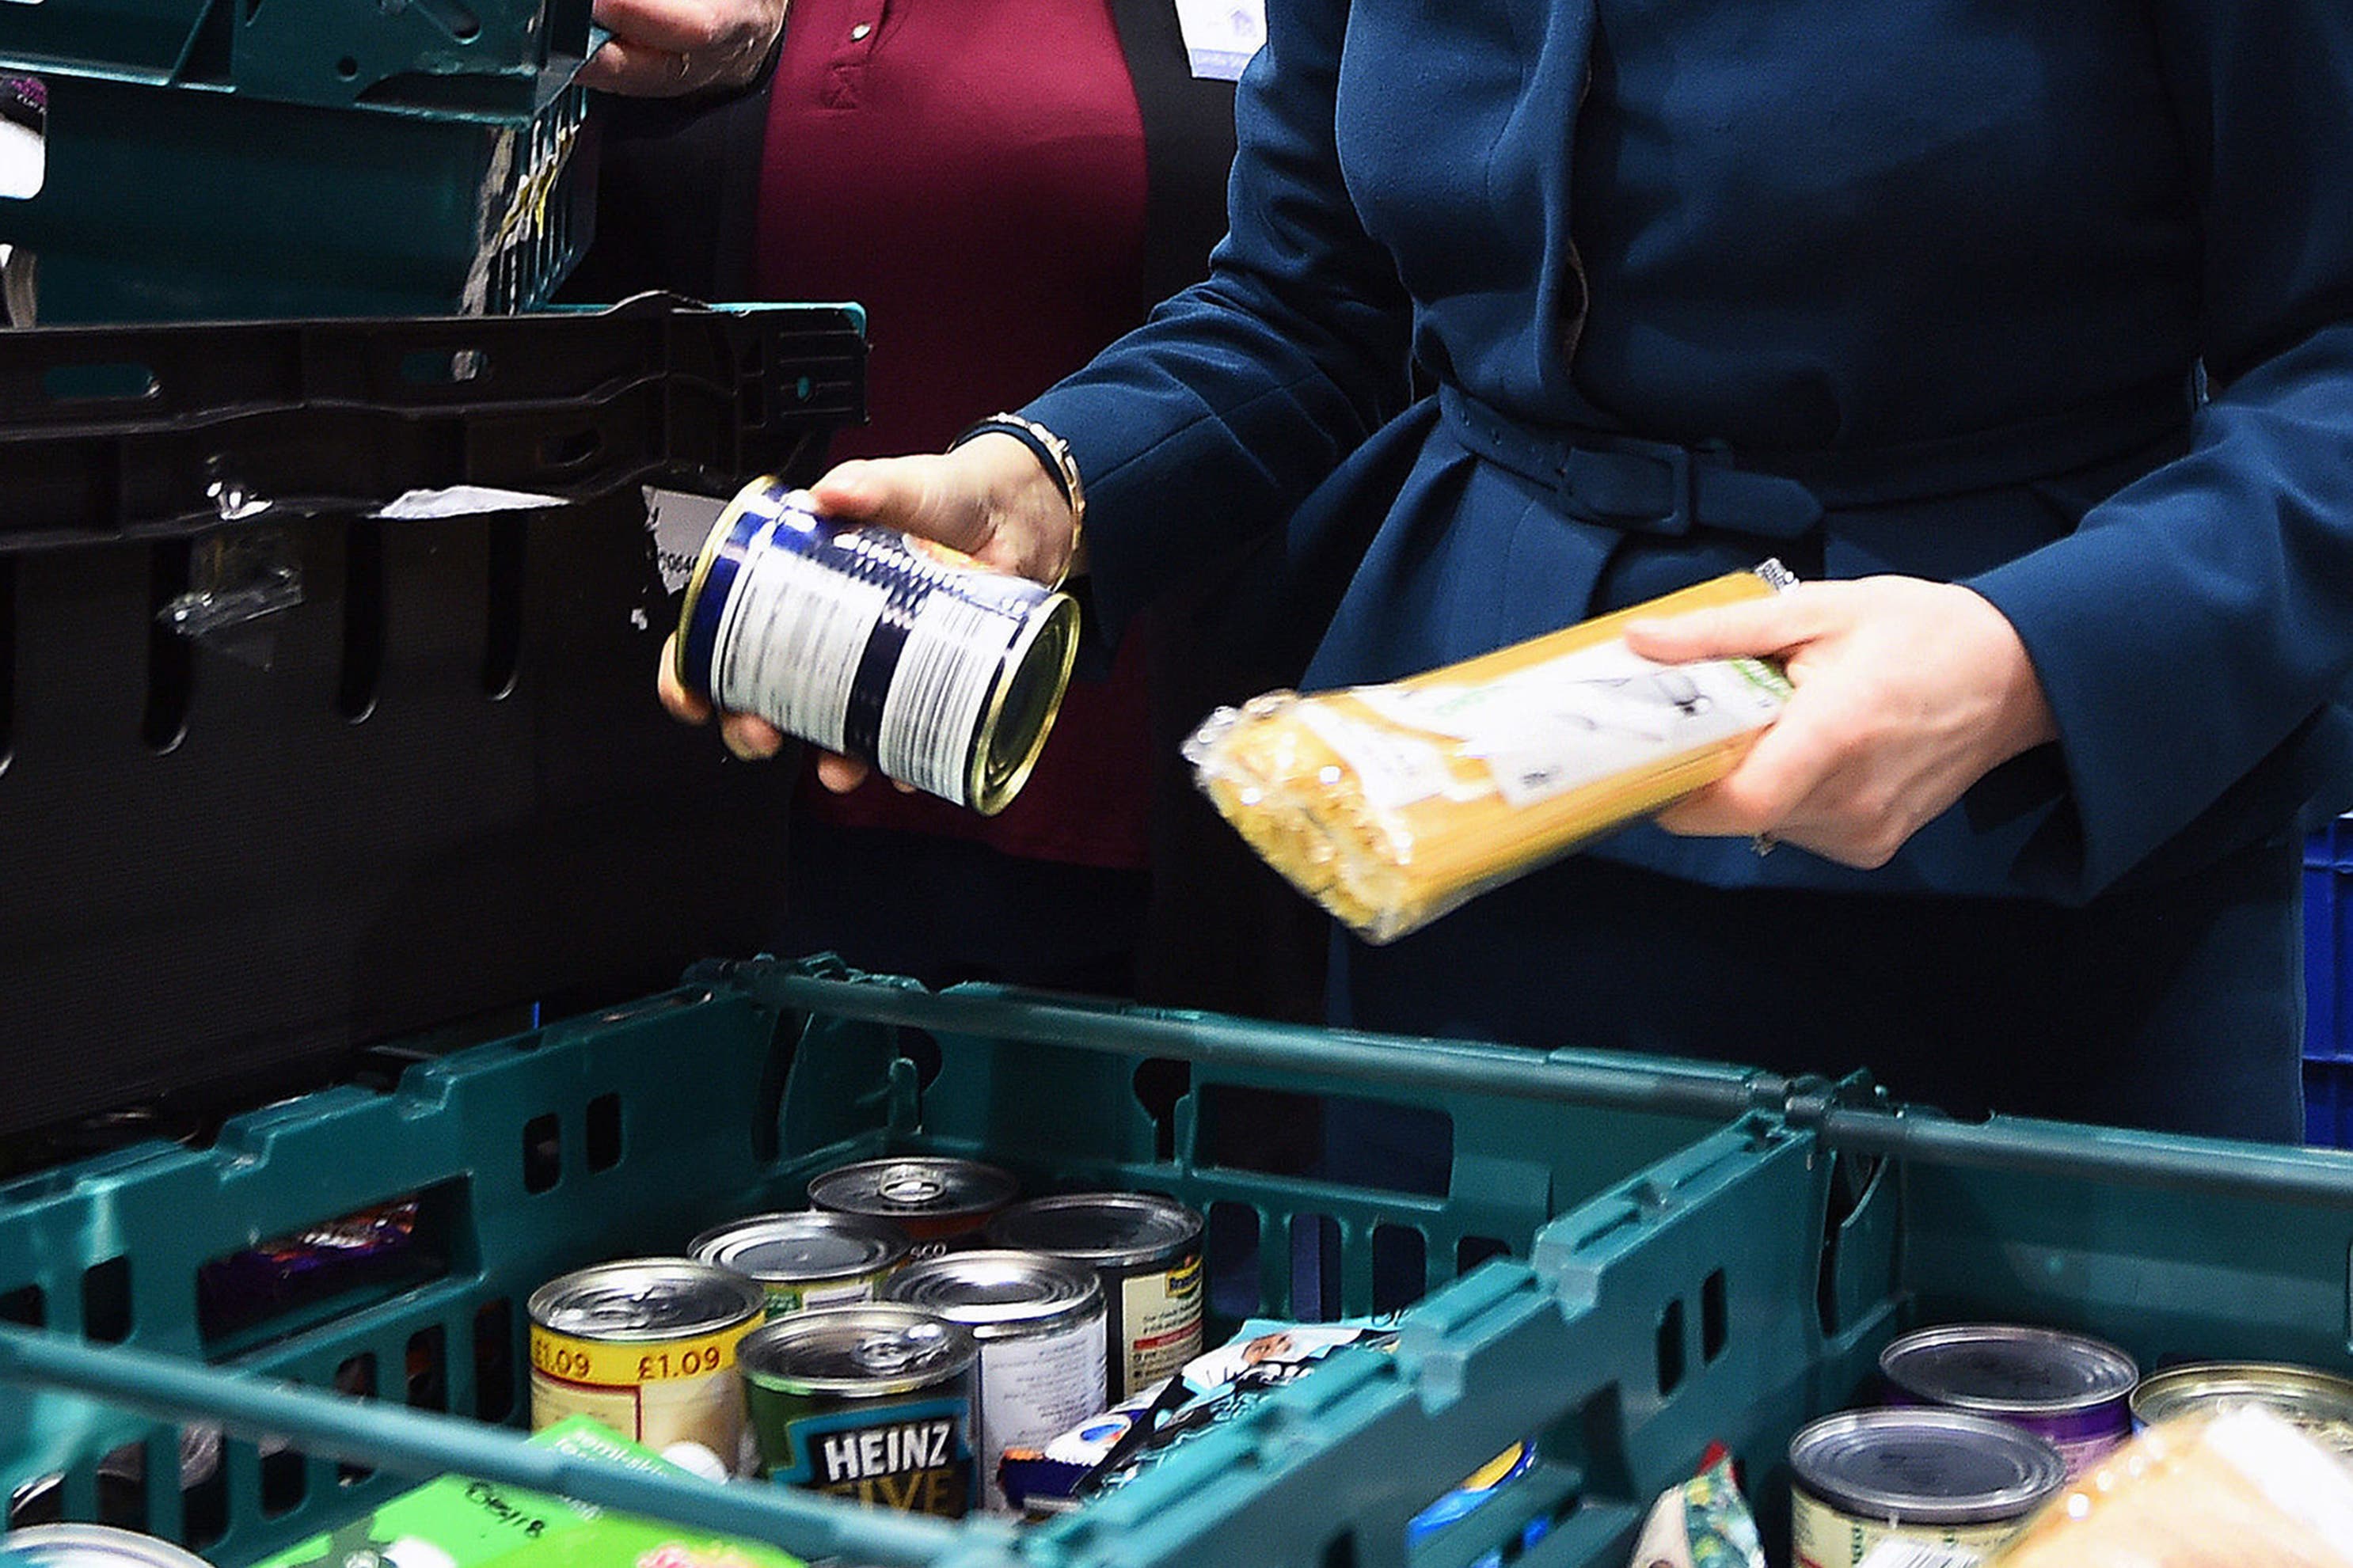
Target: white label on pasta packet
1393,770
1220,36
1587,715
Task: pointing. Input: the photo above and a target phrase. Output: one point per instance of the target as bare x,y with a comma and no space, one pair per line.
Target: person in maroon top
1006,186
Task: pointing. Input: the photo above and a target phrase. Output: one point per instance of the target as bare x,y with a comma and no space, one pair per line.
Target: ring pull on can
933,670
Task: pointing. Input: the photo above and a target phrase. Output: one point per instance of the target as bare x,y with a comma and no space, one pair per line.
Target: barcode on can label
1914,1554
933,708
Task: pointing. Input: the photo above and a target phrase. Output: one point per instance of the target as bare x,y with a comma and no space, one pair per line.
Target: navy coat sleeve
2201,619
1214,420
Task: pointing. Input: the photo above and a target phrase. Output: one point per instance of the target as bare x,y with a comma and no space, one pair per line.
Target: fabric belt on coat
1659,487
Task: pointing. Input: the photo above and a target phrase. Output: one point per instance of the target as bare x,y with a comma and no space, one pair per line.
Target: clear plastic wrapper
2224,1490
1391,804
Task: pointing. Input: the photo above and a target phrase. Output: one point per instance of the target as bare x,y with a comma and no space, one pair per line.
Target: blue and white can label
938,672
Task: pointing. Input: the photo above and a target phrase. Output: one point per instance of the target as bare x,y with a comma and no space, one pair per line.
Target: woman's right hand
989,499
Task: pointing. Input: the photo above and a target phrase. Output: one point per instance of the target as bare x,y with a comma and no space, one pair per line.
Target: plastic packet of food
1704,1523
2216,1490
1391,804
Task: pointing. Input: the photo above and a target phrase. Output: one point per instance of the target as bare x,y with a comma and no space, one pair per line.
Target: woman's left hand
664,49
1908,693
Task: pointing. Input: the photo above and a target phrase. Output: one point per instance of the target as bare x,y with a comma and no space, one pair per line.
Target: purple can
2071,1390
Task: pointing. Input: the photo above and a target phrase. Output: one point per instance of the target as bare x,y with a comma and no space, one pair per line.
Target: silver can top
1000,1294
1114,1229
1925,1466
807,1246
2000,1369
646,1299
2319,1404
867,1351
95,1546
914,1185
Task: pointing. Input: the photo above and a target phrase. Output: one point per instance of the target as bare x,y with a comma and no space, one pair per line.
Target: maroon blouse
972,172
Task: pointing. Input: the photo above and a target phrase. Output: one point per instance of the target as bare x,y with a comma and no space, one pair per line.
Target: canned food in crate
1147,1252
93,1546
2318,1403
807,1259
940,673
2068,1389
1920,1477
646,1346
1040,1321
872,1402
937,1200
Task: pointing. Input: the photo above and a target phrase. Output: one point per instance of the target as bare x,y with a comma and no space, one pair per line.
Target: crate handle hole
348,69
117,381
1671,1348
494,1361
1715,1316
543,1152
603,1129
569,451
444,367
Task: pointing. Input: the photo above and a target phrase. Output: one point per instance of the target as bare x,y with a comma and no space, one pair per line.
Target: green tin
871,1402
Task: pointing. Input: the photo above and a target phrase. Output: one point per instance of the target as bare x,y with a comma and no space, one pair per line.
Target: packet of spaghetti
1391,804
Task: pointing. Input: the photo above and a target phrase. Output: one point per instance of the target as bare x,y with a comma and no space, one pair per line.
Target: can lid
802,1246
996,1292
1925,1466
94,1546
1115,1228
916,1185
2000,1369
2317,1402
646,1299
869,1350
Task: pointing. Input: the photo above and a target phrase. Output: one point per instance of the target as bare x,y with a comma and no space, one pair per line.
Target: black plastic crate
437,786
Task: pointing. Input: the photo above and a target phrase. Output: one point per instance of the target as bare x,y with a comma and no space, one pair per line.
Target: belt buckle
1603,481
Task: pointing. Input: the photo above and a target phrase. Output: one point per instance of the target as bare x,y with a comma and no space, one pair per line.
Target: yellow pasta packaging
2234,1488
1390,804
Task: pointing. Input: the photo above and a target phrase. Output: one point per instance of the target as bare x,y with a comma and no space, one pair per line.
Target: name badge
1220,36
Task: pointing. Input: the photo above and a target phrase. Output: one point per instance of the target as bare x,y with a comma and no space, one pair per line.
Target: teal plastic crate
183,204
630,1130
497,58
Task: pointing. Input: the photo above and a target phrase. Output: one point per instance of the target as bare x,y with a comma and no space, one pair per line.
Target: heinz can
938,1201
2068,1389
1040,1321
646,1346
872,1402
807,1259
2318,1403
1919,1476
940,673
1147,1253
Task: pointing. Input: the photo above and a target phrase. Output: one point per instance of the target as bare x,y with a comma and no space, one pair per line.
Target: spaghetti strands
1391,804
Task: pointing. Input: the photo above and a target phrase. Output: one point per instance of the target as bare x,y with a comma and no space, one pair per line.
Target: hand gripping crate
629,1130
427,778
205,159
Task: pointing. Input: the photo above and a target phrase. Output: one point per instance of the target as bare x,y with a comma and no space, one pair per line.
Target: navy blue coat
1955,263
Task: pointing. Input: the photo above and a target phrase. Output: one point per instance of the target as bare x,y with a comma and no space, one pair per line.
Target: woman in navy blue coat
2028,327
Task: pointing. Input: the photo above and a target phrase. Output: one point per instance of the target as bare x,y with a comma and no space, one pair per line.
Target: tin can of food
872,1402
93,1546
646,1346
1040,1321
942,674
1920,1477
1146,1250
2072,1391
808,1258
941,1202
2316,1403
